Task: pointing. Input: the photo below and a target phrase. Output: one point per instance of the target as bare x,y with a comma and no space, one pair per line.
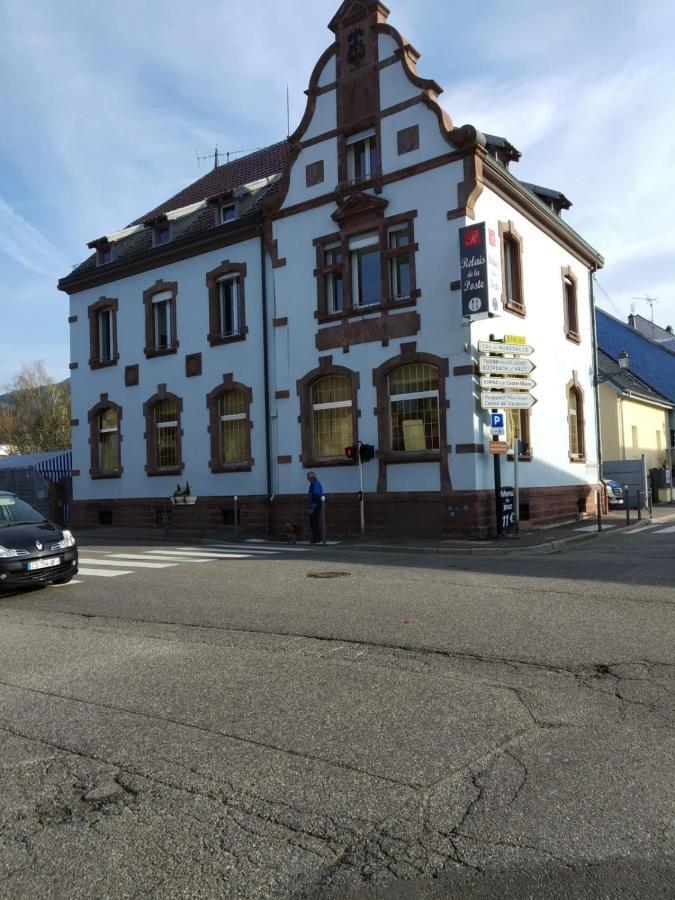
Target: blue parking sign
497,420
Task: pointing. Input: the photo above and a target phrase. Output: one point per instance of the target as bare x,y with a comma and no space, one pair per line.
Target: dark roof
494,142
224,179
652,363
558,199
652,331
625,380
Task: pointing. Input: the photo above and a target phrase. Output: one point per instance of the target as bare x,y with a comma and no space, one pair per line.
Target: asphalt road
412,727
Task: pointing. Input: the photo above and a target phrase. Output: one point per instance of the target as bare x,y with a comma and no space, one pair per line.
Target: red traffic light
352,452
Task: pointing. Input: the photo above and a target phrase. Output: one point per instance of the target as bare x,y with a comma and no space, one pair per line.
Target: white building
303,298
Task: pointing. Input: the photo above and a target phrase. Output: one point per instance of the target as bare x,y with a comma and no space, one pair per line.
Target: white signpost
520,400
494,383
495,365
504,386
505,347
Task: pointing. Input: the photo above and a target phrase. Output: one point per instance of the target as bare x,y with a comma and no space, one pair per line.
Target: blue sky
104,105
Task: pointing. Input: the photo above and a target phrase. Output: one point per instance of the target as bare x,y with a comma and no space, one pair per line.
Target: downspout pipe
596,371
266,373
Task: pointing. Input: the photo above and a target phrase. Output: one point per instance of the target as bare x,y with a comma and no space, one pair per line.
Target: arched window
414,408
575,418
571,312
234,428
163,434
108,425
332,416
329,417
166,434
512,268
105,439
229,408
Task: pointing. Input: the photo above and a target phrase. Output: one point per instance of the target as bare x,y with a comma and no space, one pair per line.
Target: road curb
548,547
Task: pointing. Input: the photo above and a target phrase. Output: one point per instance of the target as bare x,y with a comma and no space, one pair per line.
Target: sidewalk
533,541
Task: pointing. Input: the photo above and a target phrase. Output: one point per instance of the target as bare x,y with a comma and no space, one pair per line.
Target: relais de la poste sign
480,265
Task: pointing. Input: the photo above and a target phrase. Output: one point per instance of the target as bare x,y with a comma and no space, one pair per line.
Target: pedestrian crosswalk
654,528
639,527
94,564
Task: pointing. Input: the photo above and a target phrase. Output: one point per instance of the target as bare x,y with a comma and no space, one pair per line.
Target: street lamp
624,359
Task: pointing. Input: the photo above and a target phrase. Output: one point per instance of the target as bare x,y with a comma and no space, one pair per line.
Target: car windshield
14,511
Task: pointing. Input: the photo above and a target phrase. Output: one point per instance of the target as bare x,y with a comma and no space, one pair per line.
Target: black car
33,550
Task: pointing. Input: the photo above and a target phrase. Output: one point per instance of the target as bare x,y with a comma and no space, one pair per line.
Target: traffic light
366,451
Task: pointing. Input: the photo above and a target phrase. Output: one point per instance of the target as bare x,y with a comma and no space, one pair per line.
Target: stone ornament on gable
356,51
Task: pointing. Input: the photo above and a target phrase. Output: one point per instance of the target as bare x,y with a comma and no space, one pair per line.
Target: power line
616,309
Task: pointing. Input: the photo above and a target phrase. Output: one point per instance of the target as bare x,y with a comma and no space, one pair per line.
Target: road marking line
223,548
641,528
595,527
102,573
187,555
169,559
670,530
121,565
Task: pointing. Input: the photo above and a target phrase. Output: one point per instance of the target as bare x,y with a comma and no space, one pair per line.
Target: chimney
631,322
669,329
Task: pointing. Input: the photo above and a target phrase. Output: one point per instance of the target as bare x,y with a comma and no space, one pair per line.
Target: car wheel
64,580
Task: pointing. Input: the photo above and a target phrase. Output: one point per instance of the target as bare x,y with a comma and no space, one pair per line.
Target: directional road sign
504,347
495,365
492,382
520,400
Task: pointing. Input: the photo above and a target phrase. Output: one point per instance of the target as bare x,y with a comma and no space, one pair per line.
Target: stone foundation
459,514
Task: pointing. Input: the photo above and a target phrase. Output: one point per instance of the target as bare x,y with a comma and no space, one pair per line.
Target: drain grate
329,574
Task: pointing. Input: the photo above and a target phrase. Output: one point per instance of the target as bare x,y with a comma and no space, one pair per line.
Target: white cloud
26,245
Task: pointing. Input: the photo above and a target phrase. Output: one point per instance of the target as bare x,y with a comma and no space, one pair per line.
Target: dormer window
228,213
104,255
361,156
162,234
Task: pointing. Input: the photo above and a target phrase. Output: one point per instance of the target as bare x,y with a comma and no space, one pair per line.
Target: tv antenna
217,155
650,301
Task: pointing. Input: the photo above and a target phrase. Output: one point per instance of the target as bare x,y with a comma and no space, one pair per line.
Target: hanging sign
480,271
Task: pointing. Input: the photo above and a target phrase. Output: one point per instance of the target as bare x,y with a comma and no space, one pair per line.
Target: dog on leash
294,532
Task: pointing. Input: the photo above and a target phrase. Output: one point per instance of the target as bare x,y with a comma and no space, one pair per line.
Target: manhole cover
329,574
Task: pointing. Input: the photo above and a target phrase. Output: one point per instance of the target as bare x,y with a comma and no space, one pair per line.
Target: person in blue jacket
314,495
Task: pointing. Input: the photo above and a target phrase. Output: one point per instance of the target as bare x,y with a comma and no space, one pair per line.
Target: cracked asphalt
422,727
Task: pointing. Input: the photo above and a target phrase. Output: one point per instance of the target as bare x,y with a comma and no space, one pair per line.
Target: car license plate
44,563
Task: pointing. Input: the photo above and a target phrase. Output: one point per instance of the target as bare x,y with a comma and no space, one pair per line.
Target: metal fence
46,485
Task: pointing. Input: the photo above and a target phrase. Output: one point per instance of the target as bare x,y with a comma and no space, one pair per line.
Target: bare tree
35,414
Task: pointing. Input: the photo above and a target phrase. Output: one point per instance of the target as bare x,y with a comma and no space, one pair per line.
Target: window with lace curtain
575,418
332,416
105,439
234,428
167,451
230,425
108,442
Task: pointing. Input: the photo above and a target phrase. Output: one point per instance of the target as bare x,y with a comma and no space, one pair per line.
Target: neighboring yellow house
633,417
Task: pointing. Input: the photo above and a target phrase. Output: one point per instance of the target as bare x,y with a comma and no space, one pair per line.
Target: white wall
556,357
243,359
